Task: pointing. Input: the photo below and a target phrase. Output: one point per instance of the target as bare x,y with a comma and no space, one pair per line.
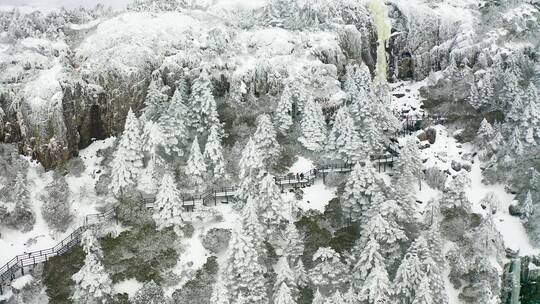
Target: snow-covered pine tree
350,297
175,122
436,283
56,209
168,204
283,295
313,127
245,273
360,187
515,144
377,288
300,274
22,217
358,87
318,298
485,135
475,99
128,156
154,102
284,275
270,204
530,119
265,139
387,233
329,272
196,167
336,297
371,137
153,137
92,282
149,293
408,175
366,255
343,140
408,278
213,152
251,169
202,104
423,294
283,118
293,246
527,207
148,181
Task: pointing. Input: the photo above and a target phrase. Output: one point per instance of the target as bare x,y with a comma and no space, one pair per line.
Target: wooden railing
16,266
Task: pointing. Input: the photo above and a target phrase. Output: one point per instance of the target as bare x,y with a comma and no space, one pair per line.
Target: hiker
301,175
297,176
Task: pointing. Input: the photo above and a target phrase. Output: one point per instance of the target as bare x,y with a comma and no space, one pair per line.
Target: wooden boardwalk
303,179
16,267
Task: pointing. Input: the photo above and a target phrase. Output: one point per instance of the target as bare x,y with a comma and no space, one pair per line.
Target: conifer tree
329,272
530,119
293,246
245,272
128,156
372,137
358,87
251,169
318,298
155,100
92,282
22,217
368,256
213,152
377,287
408,278
485,135
515,145
168,204
528,206
196,167
283,295
284,275
153,137
202,104
270,204
336,297
265,139
360,187
148,181
313,127
343,140
174,122
300,274
434,276
423,294
388,235
350,297
283,118
409,172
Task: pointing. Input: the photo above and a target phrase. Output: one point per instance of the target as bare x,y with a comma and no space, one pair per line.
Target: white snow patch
19,283
129,286
510,227
302,164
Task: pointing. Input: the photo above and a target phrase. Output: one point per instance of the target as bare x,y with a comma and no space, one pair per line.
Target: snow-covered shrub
149,293
56,210
216,239
32,292
435,178
199,289
132,211
21,217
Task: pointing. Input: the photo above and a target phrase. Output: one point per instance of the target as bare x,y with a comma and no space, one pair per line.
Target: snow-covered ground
83,201
315,196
